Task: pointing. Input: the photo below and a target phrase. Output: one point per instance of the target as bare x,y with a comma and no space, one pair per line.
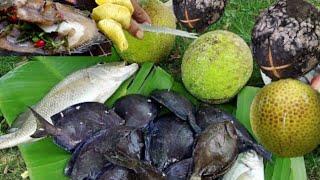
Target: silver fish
93,84
248,166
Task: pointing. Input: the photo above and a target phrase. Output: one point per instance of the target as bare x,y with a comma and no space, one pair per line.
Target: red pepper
40,43
13,19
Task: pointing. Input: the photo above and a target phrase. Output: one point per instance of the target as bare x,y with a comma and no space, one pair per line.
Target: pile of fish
92,84
158,137
44,27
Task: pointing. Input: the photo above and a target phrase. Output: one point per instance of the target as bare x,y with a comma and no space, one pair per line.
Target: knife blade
165,30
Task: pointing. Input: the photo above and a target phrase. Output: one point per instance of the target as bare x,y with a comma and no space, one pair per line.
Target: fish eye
101,63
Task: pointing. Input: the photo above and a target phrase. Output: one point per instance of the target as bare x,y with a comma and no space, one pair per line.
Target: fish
248,166
63,28
93,84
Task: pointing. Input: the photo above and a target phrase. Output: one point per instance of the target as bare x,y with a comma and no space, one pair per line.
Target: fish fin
262,152
44,128
245,144
192,122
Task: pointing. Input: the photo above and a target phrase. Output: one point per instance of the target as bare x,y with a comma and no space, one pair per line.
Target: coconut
286,39
198,14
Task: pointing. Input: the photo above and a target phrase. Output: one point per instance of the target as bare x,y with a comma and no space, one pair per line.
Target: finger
114,31
135,30
125,3
139,14
116,12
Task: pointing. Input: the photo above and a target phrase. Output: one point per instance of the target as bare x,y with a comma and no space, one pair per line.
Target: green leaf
298,169
268,171
157,80
140,77
245,98
282,169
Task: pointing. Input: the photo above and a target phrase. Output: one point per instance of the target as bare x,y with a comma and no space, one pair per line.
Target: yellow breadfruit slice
116,12
114,31
125,3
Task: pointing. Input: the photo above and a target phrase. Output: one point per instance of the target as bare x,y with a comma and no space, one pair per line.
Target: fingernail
146,23
139,34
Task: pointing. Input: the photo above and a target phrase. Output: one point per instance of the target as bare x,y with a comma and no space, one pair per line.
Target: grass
239,18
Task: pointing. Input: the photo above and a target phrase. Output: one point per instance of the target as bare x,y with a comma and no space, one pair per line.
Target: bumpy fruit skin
286,39
216,66
198,14
285,117
153,47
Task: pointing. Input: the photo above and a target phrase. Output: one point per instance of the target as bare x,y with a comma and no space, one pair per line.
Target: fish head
117,71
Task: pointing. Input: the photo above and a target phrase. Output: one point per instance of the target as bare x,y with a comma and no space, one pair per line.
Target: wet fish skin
93,84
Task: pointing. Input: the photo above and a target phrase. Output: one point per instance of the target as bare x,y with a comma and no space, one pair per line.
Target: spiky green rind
154,47
216,66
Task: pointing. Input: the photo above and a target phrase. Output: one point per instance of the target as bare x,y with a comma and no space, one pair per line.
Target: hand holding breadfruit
113,16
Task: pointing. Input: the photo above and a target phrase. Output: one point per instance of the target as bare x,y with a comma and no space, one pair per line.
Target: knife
165,30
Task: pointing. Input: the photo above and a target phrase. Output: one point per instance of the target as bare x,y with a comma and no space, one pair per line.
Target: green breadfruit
216,66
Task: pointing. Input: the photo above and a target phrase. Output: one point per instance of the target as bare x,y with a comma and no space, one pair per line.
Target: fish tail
44,128
13,139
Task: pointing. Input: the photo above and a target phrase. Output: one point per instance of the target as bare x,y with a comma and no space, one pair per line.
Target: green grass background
239,18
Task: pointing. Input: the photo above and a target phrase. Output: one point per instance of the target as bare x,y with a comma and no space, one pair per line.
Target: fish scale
94,84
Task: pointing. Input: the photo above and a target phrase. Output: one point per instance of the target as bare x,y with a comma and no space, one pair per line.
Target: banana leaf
27,84
279,168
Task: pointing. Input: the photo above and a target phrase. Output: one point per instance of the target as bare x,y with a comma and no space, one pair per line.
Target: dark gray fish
177,104
179,170
112,172
136,110
74,124
121,146
168,140
85,161
215,151
211,115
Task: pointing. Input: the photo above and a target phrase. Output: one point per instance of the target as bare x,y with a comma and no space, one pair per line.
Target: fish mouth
43,27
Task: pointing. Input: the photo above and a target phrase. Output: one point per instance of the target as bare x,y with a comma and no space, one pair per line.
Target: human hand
113,16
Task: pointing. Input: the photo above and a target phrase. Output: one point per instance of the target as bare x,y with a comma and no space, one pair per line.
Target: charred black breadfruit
177,104
286,39
179,170
168,140
136,110
112,172
111,145
198,14
207,115
77,122
215,151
